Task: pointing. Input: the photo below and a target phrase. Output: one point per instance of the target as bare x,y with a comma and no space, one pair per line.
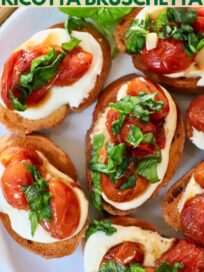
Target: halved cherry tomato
199,174
14,177
142,150
112,191
73,67
112,116
18,153
199,23
125,253
65,211
141,85
192,219
195,113
187,253
168,57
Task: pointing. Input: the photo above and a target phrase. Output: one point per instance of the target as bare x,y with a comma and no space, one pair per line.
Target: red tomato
112,191
168,57
73,67
111,117
14,177
19,154
65,211
199,174
200,11
199,24
139,85
125,253
195,113
187,253
192,219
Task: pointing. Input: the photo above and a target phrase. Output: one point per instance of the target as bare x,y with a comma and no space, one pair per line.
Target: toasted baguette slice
179,85
172,198
62,162
19,125
109,95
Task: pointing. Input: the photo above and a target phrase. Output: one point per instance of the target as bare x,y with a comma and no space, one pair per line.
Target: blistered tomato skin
14,177
187,253
192,219
199,174
168,57
125,253
65,211
195,113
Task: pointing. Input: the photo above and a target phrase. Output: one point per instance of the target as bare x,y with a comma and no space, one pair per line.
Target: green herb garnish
16,103
38,198
104,225
69,46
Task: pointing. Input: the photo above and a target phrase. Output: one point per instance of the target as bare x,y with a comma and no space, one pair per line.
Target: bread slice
19,125
172,198
109,95
62,162
179,85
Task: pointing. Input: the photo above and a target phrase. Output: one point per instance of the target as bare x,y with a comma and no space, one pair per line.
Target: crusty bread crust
170,203
64,164
19,125
176,150
179,85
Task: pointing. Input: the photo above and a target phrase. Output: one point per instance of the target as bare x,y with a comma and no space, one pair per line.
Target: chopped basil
181,15
42,71
96,195
129,183
135,136
74,23
167,267
136,34
141,106
38,198
115,155
117,124
104,225
69,46
147,168
16,103
149,138
114,266
161,21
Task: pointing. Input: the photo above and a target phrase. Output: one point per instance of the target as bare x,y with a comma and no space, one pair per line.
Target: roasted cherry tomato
187,253
65,211
112,116
112,191
73,67
14,177
195,113
141,85
168,57
125,253
199,23
192,219
199,174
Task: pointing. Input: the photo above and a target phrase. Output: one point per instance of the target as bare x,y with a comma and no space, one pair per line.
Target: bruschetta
129,244
166,44
183,205
52,73
134,144
195,122
42,206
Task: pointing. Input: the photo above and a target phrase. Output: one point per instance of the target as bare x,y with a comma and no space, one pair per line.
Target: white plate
70,136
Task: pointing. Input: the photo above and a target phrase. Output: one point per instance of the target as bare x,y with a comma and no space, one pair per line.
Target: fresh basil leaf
135,136
147,168
116,153
193,42
122,106
161,21
74,23
69,46
142,113
118,124
149,138
101,168
135,43
17,105
96,194
129,183
98,142
104,225
200,44
38,198
167,267
121,169
148,100
79,12
136,268
41,74
181,15
44,60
